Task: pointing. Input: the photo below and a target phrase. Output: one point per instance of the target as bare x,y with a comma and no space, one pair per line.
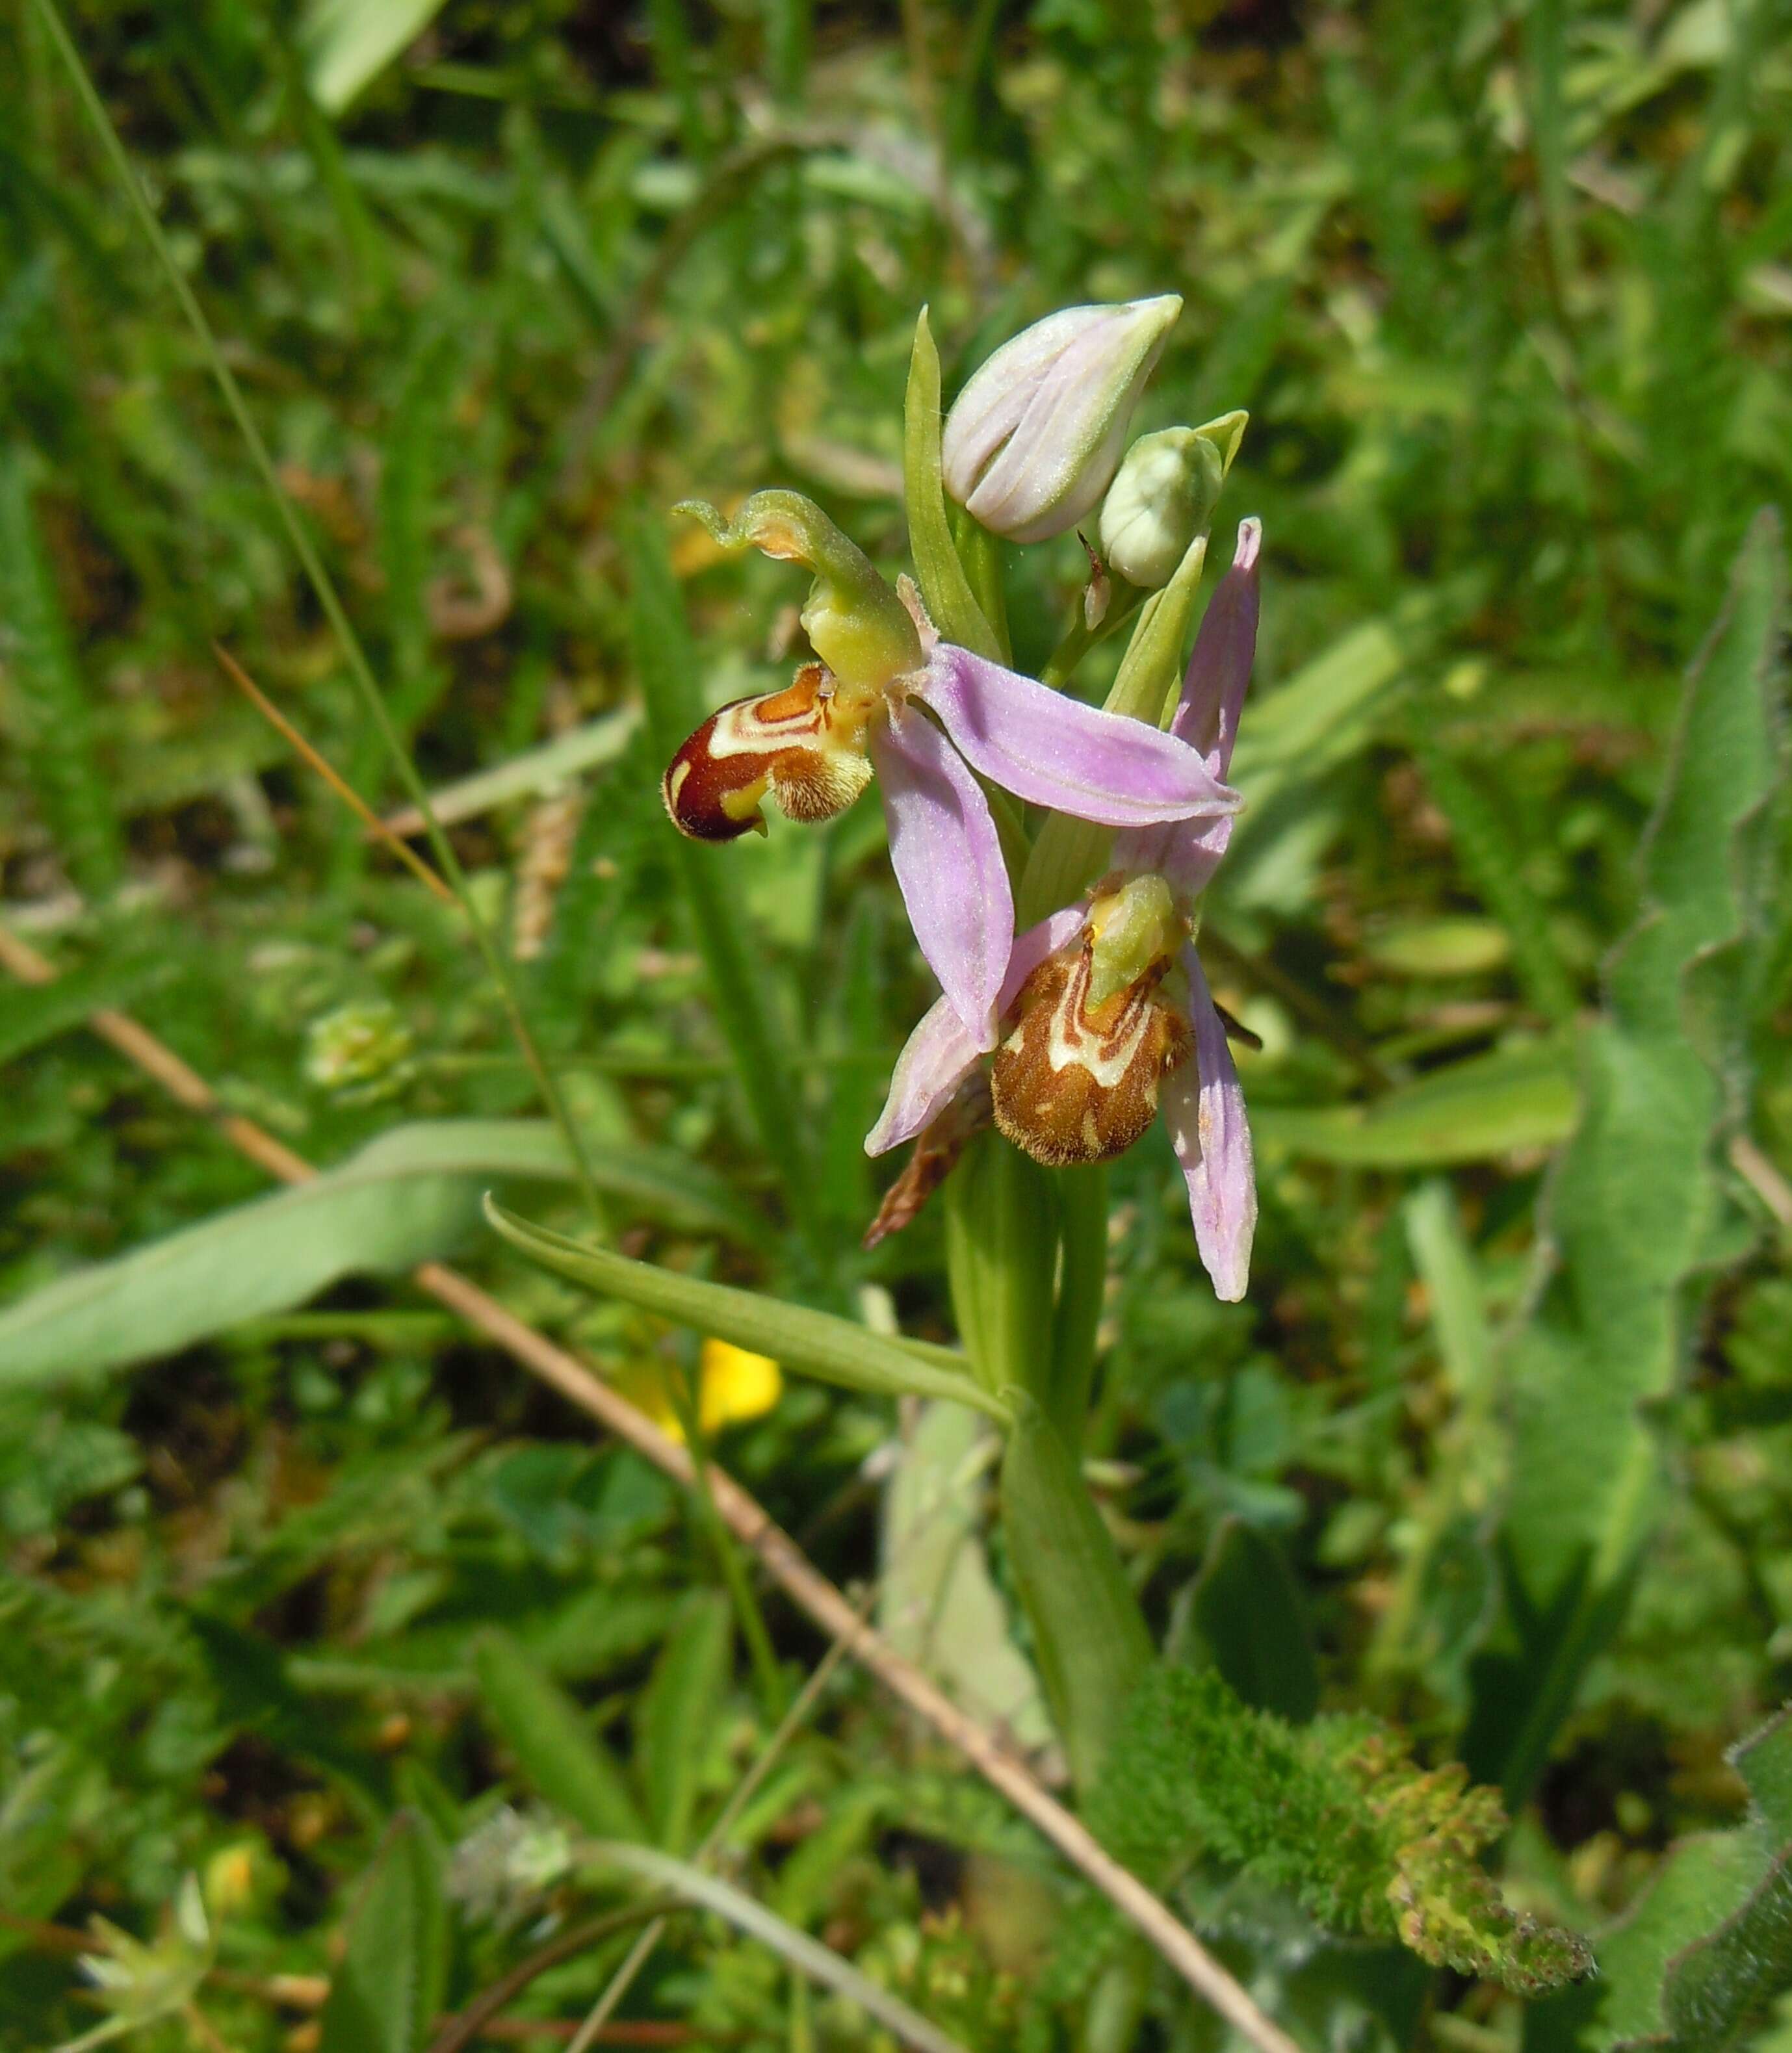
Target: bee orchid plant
1071,1036
1052,856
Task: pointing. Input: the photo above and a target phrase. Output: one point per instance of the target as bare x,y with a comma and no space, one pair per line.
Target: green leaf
1336,1813
1636,1200
385,1995
348,43
811,1342
1090,1638
945,589
937,1603
412,1194
561,1758
1694,1966
1248,1619
412,458
677,1714
1521,1097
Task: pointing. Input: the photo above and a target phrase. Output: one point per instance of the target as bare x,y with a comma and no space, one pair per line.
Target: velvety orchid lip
939,1054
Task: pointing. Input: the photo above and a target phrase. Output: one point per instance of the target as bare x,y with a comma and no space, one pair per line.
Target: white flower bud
1032,441
1163,496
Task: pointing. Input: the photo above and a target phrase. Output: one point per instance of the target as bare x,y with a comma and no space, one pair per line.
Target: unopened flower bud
1033,438
1163,496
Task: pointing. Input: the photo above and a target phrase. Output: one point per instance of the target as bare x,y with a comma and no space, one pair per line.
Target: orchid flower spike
1105,1014
1032,441
888,696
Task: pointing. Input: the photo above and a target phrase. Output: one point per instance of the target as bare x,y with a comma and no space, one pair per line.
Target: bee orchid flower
886,698
1104,1017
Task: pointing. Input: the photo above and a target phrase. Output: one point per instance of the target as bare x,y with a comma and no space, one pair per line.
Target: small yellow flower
733,1385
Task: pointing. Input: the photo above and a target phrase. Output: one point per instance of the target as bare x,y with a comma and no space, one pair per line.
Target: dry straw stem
782,1559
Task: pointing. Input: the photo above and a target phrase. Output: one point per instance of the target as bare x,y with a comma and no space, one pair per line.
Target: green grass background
1507,291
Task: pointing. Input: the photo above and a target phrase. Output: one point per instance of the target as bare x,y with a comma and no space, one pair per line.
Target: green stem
1080,637
1026,1255
1082,1283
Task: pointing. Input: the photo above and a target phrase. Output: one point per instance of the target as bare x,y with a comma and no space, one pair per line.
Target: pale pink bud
1035,436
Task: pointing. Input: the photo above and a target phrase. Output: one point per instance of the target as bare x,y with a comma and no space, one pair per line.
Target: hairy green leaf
1636,1207
560,1757
1693,1966
384,1996
1336,1813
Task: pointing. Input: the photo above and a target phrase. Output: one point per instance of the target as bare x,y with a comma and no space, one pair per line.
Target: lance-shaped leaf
940,574
561,1757
813,1343
385,1995
412,1194
1637,1208
1090,1637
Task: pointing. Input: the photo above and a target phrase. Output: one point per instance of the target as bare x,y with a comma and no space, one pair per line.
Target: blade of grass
337,782
740,1591
322,584
597,2019
820,1963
